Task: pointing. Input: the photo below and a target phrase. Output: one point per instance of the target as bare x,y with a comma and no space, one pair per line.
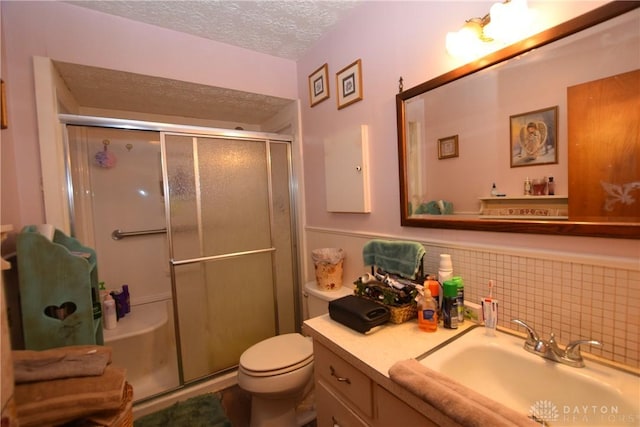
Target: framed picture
448,147
319,85
533,137
349,84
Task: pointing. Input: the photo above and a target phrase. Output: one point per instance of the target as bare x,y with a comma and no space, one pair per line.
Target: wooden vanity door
604,149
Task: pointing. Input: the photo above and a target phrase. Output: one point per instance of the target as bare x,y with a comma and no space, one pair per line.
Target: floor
237,406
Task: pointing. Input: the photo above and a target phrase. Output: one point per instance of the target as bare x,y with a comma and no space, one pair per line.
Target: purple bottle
127,298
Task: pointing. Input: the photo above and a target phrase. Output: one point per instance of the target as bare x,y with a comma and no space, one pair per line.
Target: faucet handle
572,351
532,335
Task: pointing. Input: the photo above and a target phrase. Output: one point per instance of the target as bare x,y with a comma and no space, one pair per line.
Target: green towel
397,257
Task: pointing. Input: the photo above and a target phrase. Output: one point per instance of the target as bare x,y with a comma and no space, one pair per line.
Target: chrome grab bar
119,234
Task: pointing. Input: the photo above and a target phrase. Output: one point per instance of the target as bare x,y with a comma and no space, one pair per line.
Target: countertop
379,348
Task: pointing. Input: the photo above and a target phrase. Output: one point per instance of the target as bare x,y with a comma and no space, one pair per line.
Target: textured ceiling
286,29
117,90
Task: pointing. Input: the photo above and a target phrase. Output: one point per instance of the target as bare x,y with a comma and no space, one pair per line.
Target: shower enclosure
199,223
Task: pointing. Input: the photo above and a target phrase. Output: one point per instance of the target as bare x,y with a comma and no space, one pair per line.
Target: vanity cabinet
347,397
58,287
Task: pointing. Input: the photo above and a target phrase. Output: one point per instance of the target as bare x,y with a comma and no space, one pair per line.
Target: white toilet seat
267,357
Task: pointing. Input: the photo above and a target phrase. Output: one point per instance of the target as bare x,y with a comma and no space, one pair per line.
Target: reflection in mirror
516,126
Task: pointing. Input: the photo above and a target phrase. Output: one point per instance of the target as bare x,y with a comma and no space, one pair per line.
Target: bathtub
143,342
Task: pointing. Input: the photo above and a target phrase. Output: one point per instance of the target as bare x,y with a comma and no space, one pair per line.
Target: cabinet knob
339,378
335,423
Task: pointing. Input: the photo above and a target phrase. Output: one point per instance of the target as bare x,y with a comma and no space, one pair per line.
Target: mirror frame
555,227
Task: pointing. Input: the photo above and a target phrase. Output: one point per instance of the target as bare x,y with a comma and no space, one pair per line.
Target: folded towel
62,362
397,257
59,401
453,399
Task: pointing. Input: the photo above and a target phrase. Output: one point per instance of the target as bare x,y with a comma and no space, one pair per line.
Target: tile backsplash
572,300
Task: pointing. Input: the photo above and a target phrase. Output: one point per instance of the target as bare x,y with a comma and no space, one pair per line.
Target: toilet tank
316,301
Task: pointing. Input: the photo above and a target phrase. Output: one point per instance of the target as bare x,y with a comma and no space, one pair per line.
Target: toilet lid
277,352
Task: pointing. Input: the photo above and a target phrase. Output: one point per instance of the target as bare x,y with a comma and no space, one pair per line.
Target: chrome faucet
549,348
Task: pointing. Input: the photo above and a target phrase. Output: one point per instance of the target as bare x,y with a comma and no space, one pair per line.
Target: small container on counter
427,310
450,305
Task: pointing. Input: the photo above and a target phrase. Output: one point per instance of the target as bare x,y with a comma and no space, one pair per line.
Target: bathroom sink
499,368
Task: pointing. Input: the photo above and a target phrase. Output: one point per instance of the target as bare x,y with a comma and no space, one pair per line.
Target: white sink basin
501,369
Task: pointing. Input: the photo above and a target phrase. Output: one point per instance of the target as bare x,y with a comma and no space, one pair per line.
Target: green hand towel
397,257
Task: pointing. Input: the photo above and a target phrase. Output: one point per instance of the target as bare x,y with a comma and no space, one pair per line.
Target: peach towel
63,362
453,399
63,400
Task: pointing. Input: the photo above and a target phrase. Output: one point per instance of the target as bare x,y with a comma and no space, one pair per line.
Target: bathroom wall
393,39
82,36
566,284
573,296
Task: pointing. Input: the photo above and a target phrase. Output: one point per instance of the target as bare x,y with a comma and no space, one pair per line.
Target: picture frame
319,85
448,147
349,84
533,137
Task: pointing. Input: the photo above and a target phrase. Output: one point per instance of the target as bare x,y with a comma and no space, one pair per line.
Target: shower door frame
196,131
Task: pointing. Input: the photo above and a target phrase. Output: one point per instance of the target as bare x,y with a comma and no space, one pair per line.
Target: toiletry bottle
127,299
427,310
434,288
527,187
460,297
450,305
490,312
445,271
551,186
118,297
494,190
109,312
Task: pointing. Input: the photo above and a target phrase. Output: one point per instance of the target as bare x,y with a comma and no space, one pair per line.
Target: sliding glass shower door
230,227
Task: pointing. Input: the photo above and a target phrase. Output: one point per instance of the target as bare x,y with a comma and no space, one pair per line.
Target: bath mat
200,411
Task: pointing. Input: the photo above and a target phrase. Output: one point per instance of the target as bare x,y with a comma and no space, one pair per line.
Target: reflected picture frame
533,137
349,84
319,85
448,147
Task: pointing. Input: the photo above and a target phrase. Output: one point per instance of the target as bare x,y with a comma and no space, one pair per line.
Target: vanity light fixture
506,23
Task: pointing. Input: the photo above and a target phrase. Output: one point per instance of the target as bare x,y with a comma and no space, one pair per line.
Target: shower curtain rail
119,234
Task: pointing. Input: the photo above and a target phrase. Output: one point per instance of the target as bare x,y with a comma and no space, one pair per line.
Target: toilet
278,370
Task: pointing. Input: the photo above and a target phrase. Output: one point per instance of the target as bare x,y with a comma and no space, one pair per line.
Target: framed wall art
534,137
349,84
448,147
319,85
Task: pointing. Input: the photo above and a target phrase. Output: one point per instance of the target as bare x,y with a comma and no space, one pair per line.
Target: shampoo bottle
126,299
427,310
109,312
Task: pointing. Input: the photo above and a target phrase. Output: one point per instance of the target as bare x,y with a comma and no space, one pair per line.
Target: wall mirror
460,133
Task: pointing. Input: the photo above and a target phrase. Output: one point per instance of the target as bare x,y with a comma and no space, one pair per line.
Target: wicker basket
403,313
400,313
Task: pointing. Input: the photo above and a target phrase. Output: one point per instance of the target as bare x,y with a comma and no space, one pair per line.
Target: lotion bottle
109,312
